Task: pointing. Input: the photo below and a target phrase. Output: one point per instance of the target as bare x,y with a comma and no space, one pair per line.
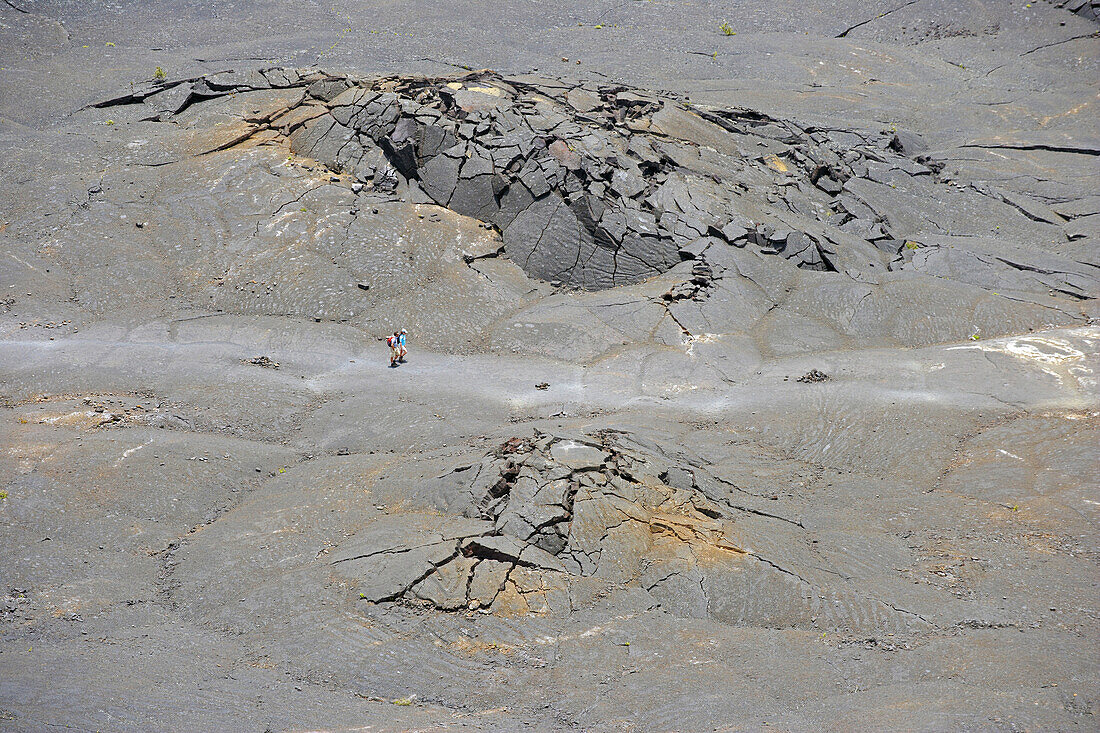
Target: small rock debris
264,361
814,375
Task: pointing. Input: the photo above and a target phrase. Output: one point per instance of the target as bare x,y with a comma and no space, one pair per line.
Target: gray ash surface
596,496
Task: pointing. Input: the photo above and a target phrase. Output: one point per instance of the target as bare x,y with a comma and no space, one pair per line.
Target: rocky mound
544,522
594,186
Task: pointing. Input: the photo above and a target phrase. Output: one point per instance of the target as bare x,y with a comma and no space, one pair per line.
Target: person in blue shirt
401,340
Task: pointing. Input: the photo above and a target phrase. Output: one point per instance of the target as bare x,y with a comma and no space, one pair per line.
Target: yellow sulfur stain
491,91
775,163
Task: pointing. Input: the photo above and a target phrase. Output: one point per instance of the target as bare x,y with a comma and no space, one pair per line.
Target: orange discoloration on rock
466,645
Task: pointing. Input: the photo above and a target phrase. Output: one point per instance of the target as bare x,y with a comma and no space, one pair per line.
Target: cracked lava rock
597,496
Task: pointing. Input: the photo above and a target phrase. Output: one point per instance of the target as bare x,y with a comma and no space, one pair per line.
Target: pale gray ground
602,494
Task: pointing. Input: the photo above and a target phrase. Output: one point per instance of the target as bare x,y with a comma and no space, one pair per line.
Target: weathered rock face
598,186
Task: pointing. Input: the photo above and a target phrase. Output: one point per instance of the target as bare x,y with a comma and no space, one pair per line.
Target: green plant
3,495
159,75
727,29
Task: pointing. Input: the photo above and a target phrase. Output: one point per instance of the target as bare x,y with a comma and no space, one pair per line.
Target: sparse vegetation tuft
727,29
160,74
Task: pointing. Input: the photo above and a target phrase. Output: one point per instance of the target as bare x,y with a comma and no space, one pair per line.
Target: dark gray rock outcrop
593,186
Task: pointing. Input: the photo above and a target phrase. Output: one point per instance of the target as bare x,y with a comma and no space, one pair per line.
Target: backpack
391,342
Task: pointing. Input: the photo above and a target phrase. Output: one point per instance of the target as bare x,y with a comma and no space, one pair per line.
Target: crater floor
752,375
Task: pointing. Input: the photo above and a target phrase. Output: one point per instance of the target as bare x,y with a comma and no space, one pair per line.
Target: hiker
402,338
394,342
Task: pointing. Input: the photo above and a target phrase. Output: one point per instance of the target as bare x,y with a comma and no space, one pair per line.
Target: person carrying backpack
402,350
394,342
